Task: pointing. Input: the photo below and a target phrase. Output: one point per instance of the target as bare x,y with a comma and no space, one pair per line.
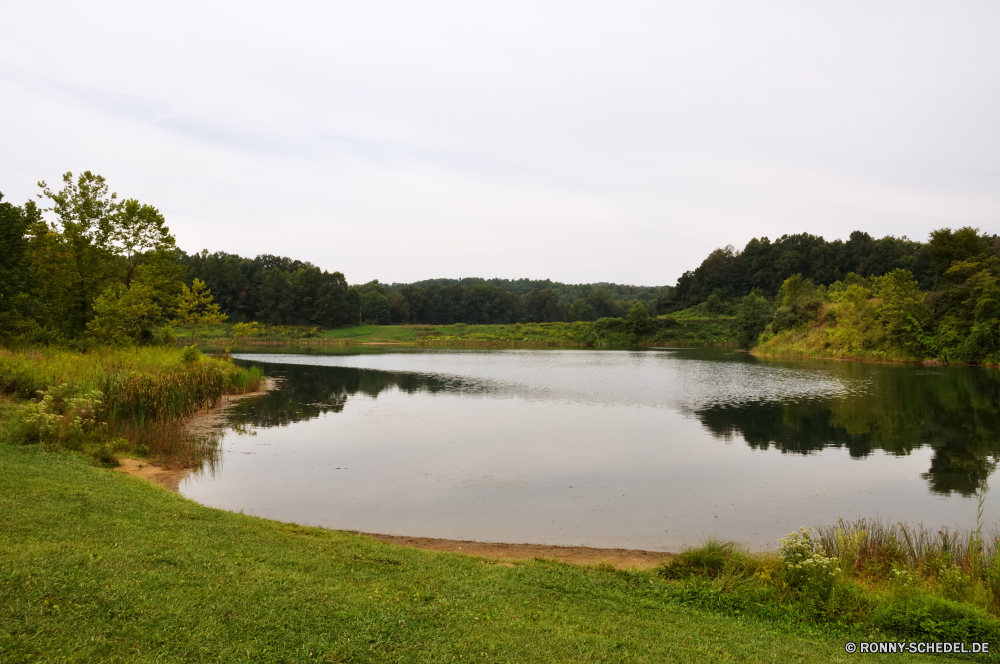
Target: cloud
577,141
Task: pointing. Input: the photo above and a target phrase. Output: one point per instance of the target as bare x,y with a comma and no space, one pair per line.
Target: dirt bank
577,555
199,424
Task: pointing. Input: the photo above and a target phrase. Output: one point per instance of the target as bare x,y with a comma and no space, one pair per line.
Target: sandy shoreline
203,422
577,555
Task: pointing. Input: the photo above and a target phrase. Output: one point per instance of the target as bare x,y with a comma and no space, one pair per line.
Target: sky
579,141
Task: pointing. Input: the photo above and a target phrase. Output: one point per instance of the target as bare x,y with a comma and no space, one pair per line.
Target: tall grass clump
873,548
136,394
138,399
893,579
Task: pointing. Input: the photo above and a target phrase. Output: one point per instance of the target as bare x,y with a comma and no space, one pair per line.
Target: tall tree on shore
17,278
195,307
82,232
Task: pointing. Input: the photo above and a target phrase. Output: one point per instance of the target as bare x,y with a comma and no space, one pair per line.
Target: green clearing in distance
683,328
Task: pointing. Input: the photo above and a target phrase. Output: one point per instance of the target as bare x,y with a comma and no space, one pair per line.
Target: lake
648,448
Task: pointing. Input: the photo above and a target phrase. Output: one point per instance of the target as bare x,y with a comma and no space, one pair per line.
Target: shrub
58,419
190,354
923,616
806,568
708,559
104,455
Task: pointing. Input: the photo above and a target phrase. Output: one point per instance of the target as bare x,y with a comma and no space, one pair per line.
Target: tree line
763,266
946,306
82,263
280,291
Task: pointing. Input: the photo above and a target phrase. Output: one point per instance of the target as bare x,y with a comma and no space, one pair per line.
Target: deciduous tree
195,307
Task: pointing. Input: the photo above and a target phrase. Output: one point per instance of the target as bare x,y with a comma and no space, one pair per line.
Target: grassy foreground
98,566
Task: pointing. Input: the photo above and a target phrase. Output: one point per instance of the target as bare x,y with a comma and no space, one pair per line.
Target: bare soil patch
169,478
577,555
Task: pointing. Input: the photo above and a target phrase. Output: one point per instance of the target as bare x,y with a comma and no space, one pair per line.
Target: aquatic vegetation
708,559
139,395
898,579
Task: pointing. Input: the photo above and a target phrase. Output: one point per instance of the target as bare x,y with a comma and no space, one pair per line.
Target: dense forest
763,266
281,291
82,264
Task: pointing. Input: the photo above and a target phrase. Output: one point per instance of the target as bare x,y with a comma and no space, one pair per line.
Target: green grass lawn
96,566
684,331
373,333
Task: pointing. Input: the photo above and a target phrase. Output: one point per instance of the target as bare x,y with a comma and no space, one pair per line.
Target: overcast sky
578,141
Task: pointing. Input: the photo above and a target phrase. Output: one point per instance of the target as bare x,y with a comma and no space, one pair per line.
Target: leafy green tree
17,277
97,241
715,305
972,325
195,308
638,320
753,315
857,312
375,308
140,235
799,302
125,316
581,310
796,291
84,209
946,247
600,302
277,298
542,305
901,311
334,305
373,305
666,301
485,304
416,302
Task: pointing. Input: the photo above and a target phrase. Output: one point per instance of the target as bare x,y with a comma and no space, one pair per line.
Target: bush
58,419
190,354
707,560
752,316
923,616
805,567
105,457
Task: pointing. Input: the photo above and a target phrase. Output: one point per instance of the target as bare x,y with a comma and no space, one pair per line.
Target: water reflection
953,410
639,448
306,392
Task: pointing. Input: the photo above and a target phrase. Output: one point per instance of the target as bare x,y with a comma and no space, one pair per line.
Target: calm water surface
651,448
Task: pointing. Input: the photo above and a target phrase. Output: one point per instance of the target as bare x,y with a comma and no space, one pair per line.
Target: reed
140,385
144,395
873,546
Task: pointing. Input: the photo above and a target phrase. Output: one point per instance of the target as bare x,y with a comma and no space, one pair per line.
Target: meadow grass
682,330
125,400
826,341
99,566
897,581
139,385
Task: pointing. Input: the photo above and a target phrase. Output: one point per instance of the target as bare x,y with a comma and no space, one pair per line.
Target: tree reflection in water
953,410
310,391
